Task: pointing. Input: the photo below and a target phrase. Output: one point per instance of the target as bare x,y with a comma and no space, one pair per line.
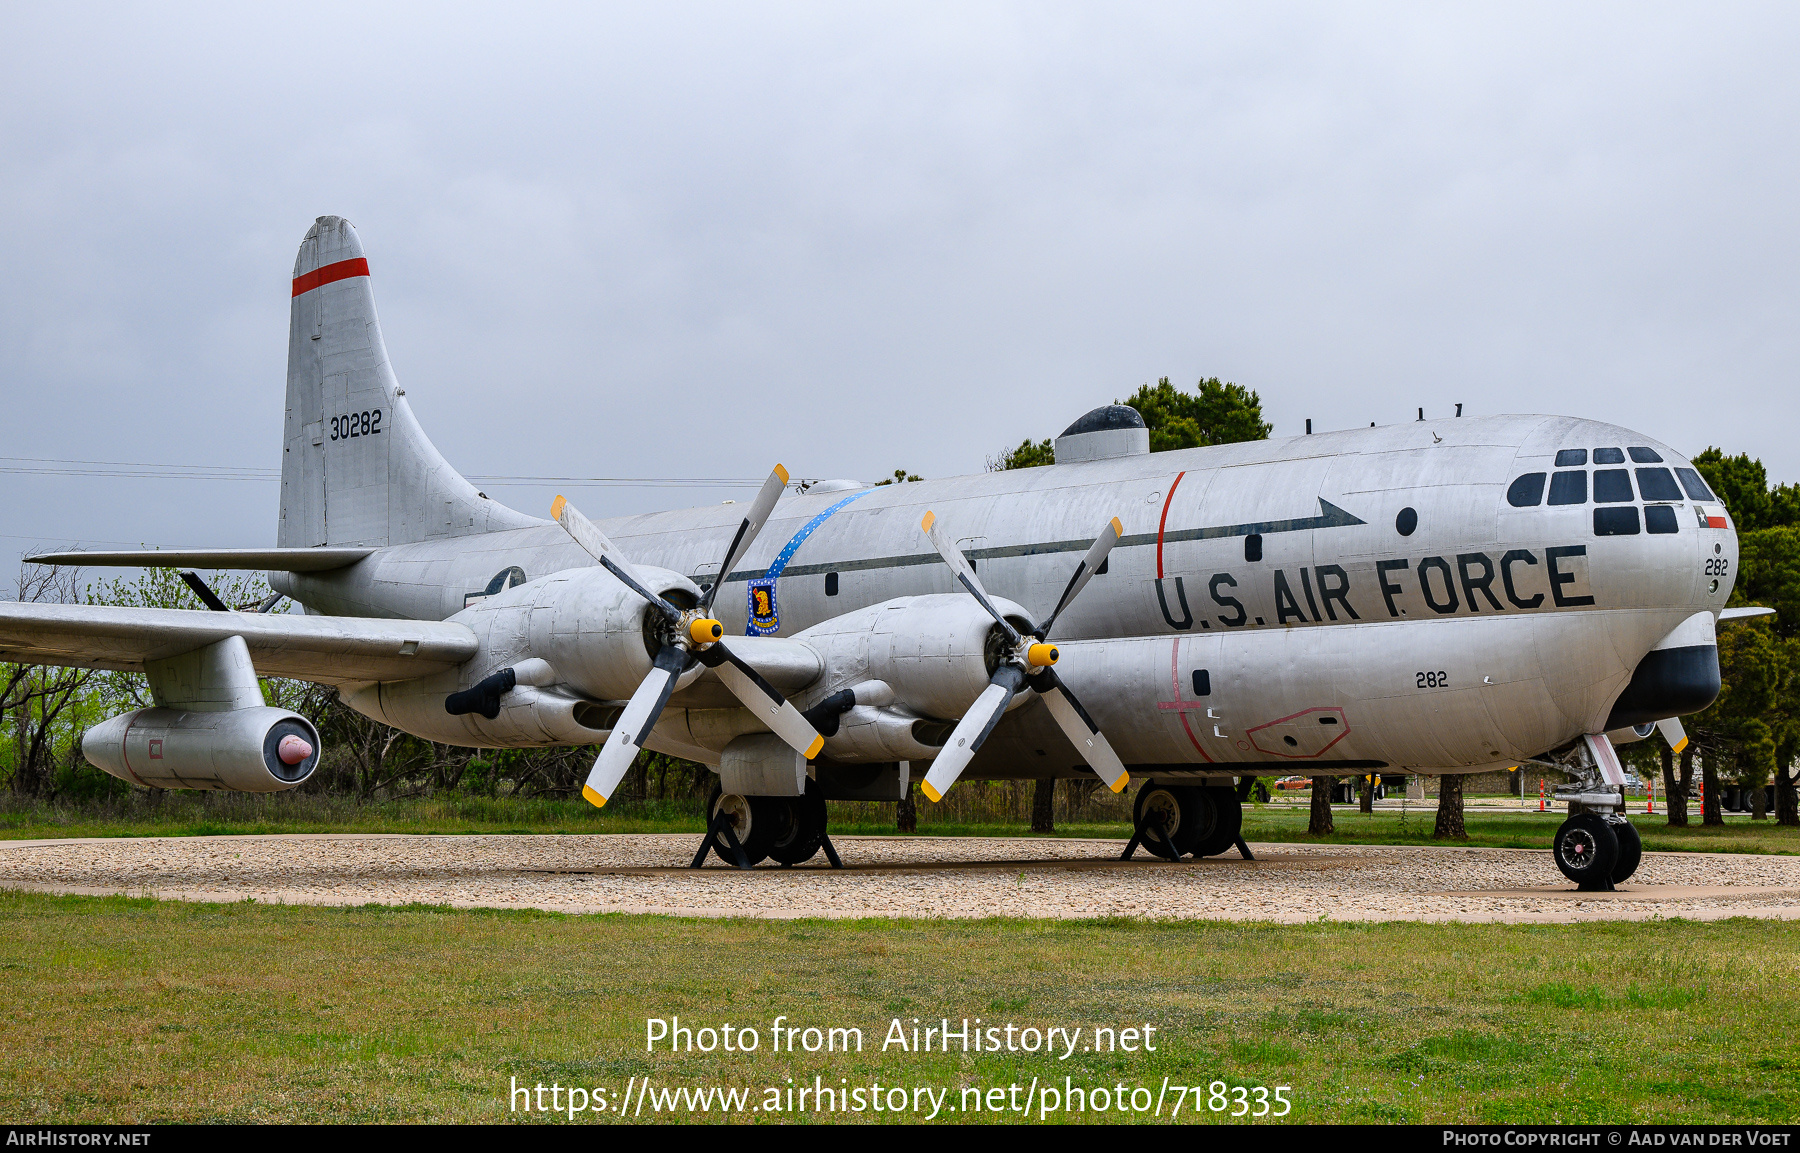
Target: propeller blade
760,508
763,700
1081,730
590,538
633,727
1673,733
1084,572
959,564
972,730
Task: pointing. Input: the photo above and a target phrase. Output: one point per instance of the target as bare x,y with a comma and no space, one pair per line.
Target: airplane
1437,597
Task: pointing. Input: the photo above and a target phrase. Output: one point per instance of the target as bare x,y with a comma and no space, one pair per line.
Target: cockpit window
1696,488
1527,491
1643,455
1616,521
1571,458
1609,456
1657,484
1611,485
1568,488
1659,518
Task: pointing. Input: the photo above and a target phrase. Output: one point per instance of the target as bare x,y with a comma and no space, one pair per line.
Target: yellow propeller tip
1682,745
812,750
782,473
557,506
930,519
593,797
925,787
1118,786
1118,529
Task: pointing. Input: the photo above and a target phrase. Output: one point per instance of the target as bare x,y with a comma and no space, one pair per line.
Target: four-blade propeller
1027,662
689,636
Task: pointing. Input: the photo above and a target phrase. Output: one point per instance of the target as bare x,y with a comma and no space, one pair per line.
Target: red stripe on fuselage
342,270
1163,524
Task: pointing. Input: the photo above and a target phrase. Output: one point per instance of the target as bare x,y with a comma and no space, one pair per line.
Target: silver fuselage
1326,653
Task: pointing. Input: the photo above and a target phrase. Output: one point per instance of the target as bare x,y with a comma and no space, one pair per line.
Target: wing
330,650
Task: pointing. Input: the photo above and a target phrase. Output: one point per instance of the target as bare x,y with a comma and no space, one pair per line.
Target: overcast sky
690,241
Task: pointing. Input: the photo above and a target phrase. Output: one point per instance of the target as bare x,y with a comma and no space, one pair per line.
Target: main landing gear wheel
1226,820
1631,850
755,823
1167,818
1587,851
800,826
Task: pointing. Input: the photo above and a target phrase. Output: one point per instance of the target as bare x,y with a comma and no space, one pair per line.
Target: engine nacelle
598,635
587,638
253,750
936,652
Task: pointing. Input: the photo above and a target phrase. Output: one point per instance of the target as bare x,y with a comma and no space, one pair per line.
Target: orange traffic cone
1540,794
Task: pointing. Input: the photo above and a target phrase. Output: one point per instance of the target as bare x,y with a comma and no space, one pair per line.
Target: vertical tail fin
356,468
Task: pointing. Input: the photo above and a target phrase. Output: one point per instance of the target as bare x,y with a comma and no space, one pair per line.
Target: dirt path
900,877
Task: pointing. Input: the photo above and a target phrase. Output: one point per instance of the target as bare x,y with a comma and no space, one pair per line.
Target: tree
1753,729
1450,809
1216,412
1319,820
906,813
1029,454
1674,791
1043,806
901,476
1743,484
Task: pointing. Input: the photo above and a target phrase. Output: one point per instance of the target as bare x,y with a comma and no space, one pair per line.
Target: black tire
1174,808
805,828
1586,849
1631,850
754,822
1218,829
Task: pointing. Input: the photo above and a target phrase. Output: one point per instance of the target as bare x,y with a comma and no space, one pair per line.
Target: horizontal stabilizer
1726,616
259,559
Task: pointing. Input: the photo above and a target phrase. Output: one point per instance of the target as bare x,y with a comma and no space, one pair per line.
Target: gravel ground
900,877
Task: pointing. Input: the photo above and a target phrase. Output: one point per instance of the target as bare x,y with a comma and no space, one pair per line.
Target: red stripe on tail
342,270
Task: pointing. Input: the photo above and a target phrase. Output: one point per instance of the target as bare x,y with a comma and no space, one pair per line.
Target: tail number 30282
1437,680
356,424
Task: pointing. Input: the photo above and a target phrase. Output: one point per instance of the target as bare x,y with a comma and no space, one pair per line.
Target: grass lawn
204,814
133,1011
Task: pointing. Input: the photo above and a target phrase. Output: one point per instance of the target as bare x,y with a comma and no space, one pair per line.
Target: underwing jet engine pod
208,730
1027,661
685,637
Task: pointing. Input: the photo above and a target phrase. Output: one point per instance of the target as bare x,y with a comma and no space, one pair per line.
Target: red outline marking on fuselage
1343,724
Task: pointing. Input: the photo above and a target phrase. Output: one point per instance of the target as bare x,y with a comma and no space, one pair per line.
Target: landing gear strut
1173,821
1597,847
745,831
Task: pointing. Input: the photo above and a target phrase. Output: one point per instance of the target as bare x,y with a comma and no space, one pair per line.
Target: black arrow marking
1330,516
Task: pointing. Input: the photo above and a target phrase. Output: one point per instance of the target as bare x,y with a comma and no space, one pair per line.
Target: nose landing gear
1597,847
